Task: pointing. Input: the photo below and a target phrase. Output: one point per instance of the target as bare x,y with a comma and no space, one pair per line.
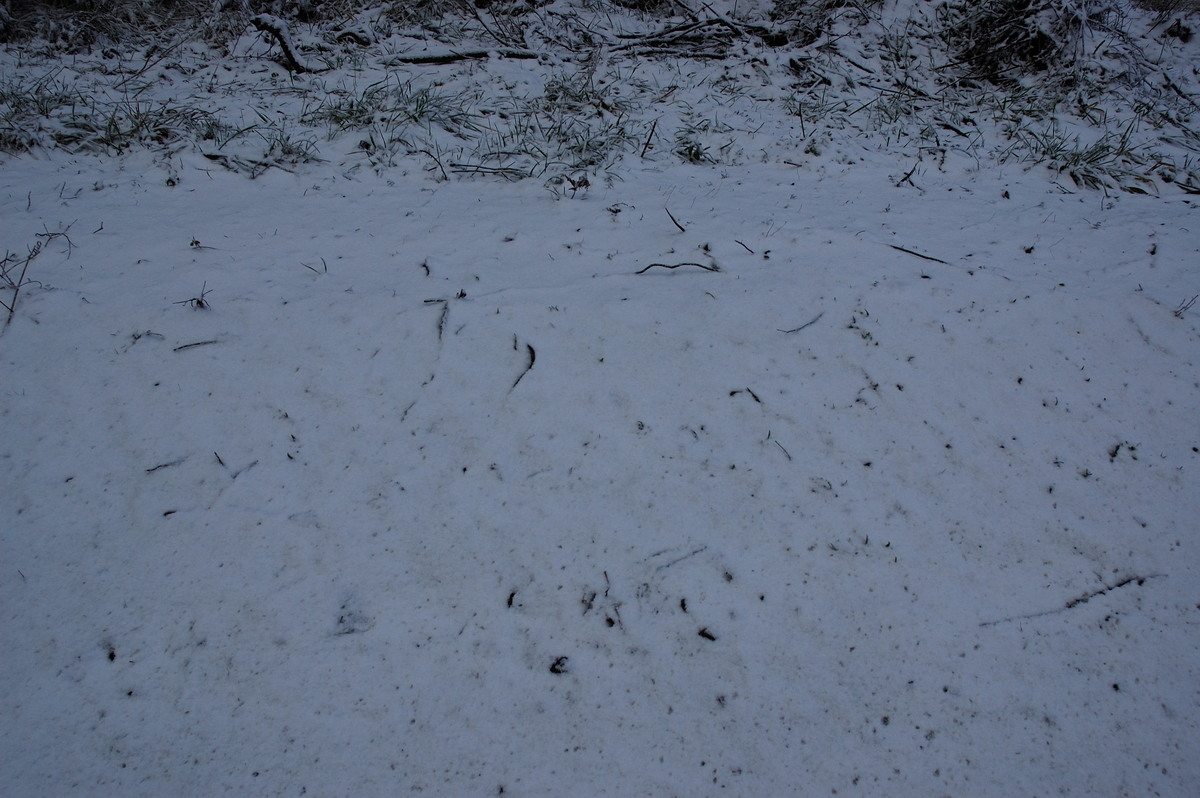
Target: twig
442,319
20,281
908,176
1075,602
650,138
682,229
713,268
171,464
9,263
803,326
243,470
918,254
507,172
63,234
191,346
162,53
1184,306
197,302
437,161
752,252
677,560
532,358
500,39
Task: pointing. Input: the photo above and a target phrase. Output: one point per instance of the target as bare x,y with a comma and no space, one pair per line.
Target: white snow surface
446,488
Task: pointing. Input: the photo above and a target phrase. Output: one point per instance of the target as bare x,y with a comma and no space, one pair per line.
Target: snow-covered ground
369,484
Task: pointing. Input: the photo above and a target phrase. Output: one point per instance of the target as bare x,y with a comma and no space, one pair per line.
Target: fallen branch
278,30
691,39
462,55
713,268
360,36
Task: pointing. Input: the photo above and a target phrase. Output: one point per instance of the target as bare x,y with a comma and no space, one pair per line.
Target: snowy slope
340,551
340,483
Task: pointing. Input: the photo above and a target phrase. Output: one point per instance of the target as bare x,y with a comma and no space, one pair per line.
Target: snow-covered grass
806,459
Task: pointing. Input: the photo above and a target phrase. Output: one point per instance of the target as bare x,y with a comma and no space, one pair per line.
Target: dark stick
918,254
802,326
682,229
198,343
649,138
532,358
677,265
465,55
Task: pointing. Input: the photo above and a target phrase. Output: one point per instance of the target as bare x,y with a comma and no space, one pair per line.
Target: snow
437,493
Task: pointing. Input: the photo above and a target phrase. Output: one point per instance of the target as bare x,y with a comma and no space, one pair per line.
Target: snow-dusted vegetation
638,397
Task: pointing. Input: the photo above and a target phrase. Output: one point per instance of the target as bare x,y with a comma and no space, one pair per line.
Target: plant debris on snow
630,397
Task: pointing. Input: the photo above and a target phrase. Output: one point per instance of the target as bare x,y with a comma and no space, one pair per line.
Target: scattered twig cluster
14,269
9,265
198,302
